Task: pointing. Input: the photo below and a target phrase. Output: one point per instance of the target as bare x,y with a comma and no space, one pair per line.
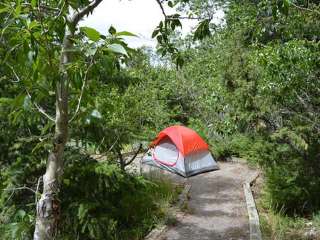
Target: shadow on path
217,208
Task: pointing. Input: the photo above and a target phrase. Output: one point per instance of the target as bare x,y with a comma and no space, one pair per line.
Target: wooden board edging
254,223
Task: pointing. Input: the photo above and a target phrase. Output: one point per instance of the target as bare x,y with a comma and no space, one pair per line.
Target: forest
249,85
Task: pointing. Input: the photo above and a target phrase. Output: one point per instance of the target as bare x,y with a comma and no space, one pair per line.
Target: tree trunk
121,160
48,207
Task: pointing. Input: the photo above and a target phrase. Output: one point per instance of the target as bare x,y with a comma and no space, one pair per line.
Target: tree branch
20,188
39,108
122,162
293,112
160,3
15,189
308,108
61,10
304,9
112,146
79,15
82,90
186,17
134,156
162,9
118,137
37,189
97,149
14,73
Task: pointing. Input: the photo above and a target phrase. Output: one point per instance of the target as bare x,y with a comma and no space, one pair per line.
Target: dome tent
180,150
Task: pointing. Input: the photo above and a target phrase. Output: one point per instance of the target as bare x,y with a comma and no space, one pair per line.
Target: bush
292,185
237,145
290,165
99,202
221,149
277,225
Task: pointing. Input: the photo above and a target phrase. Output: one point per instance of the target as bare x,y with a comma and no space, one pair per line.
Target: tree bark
121,160
48,207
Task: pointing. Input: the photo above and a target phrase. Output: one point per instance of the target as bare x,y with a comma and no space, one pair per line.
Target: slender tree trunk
121,160
48,207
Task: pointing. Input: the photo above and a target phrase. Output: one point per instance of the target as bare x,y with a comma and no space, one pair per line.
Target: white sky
137,16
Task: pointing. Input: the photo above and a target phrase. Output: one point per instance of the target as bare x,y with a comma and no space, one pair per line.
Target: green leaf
33,3
179,61
159,38
155,33
82,211
14,229
33,24
66,182
161,25
117,48
125,33
286,4
27,103
40,145
170,4
112,30
47,127
84,226
20,214
91,231
18,9
177,23
4,9
173,26
19,100
91,51
91,33
202,30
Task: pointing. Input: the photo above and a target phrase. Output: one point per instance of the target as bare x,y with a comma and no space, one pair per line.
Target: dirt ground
216,208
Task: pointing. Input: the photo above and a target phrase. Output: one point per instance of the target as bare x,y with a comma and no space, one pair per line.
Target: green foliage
91,33
103,206
100,201
250,89
277,225
272,88
202,30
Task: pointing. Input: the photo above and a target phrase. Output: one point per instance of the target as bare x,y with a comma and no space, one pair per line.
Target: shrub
292,184
100,202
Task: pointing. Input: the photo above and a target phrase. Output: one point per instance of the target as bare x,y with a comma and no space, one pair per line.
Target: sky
137,16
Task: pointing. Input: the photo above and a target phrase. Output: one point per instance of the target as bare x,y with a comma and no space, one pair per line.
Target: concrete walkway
217,207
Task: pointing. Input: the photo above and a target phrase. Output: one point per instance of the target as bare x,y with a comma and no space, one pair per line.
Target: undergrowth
291,176
99,202
277,225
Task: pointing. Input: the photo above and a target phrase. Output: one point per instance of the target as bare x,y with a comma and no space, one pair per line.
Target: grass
171,219
164,196
168,196
278,226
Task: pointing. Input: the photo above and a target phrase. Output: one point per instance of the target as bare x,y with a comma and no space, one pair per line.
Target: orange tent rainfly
184,138
180,150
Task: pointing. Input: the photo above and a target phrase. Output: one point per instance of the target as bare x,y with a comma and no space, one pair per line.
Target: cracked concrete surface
216,208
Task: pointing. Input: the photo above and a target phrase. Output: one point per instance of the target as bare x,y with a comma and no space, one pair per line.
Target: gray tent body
165,155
